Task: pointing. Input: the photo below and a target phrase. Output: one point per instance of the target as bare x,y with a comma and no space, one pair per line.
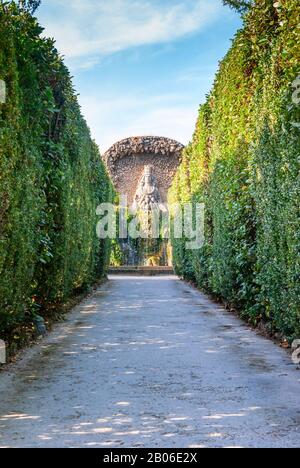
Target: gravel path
150,362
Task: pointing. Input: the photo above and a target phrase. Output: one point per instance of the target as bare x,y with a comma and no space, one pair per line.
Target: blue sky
141,67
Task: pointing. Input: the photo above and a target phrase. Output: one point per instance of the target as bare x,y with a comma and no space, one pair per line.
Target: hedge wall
51,178
243,163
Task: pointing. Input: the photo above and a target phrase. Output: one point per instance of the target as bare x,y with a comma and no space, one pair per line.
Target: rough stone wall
126,161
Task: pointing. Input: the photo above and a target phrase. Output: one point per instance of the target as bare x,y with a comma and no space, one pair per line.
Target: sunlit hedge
243,163
51,178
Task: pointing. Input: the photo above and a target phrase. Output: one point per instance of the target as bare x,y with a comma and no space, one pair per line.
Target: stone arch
127,158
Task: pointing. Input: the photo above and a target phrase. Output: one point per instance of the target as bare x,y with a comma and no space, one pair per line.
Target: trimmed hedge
51,178
243,163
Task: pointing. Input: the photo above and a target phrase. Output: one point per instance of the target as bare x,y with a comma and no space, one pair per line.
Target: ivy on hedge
243,163
51,177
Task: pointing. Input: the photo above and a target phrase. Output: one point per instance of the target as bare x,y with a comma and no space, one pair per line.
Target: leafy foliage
240,5
51,177
30,5
243,163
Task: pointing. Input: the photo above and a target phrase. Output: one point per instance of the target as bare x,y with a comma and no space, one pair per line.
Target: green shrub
51,177
243,163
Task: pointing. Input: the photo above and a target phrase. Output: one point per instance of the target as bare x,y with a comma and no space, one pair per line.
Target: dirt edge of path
261,329
25,336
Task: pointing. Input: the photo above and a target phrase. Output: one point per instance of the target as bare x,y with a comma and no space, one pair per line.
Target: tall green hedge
51,177
243,163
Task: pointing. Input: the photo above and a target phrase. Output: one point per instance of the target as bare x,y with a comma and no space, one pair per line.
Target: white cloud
199,73
86,31
114,119
95,28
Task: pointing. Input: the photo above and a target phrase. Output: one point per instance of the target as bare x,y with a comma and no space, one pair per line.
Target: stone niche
127,159
143,168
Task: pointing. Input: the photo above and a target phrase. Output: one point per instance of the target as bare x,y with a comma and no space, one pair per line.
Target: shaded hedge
243,163
51,177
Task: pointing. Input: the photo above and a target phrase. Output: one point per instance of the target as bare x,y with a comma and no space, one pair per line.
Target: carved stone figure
147,196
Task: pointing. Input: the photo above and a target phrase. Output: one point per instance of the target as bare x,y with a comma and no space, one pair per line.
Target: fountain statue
147,197
148,206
